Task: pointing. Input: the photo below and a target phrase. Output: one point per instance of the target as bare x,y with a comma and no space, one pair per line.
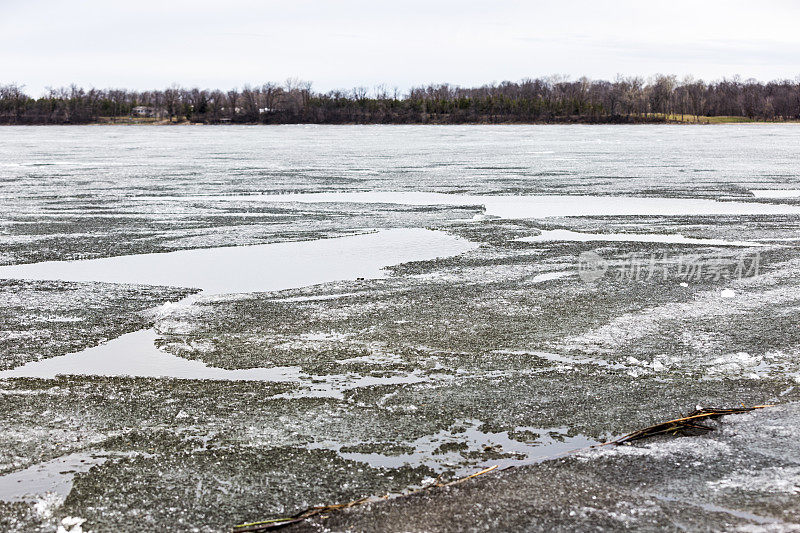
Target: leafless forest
543,100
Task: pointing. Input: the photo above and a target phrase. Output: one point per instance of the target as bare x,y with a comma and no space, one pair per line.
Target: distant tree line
553,99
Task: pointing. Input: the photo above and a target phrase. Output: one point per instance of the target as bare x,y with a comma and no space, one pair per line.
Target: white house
143,111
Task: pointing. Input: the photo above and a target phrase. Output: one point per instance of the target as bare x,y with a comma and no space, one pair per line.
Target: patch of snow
480,218
782,480
539,278
632,326
71,524
738,364
47,505
690,448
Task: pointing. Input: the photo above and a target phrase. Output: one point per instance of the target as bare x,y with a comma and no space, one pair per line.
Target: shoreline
548,123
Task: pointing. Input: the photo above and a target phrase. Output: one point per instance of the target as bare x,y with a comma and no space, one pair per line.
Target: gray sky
344,43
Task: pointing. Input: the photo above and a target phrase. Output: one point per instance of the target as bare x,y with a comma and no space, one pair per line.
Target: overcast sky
144,44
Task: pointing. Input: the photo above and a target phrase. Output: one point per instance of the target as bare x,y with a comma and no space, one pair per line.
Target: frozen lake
113,163
385,308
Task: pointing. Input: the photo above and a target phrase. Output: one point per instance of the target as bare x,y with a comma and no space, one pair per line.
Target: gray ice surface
129,402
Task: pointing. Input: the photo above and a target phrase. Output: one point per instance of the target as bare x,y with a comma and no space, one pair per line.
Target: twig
682,425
